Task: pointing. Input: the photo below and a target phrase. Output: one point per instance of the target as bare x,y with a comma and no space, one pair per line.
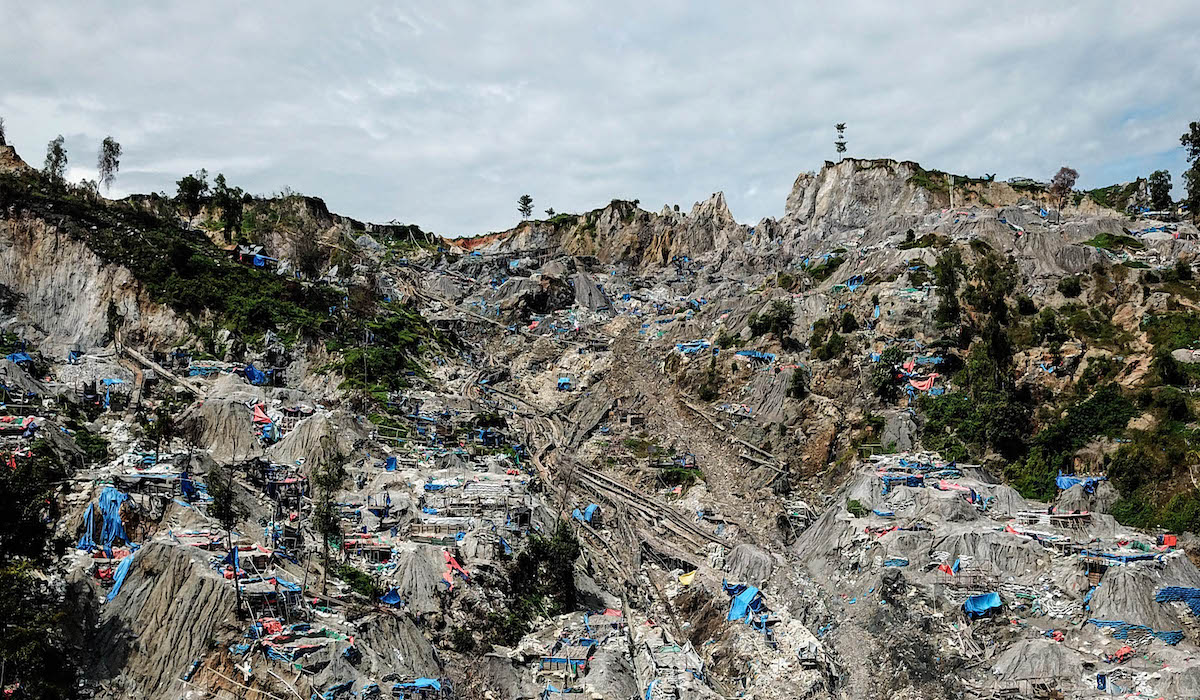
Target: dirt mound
749,564
1037,658
227,426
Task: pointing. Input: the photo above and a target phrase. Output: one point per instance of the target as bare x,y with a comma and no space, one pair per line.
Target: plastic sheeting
586,515
742,606
255,375
110,505
86,542
1089,482
119,576
981,605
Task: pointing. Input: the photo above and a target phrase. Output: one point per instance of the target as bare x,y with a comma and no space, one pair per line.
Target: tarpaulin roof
1089,482
980,605
740,606
260,415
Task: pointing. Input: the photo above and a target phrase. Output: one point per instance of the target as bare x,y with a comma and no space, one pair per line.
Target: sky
443,114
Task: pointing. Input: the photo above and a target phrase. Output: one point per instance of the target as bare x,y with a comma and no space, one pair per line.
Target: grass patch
1114,242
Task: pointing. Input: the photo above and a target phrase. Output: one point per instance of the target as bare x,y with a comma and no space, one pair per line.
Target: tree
229,200
34,618
1191,177
1062,184
308,256
525,206
56,160
2,142
327,520
945,274
108,162
191,190
840,142
161,428
550,212
1160,190
227,512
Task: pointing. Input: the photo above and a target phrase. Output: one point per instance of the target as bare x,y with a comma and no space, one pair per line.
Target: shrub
1070,287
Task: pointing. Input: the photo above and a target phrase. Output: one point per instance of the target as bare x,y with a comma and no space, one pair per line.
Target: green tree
945,274
56,160
525,206
327,479
108,162
191,191
33,615
840,142
161,428
1191,177
1160,190
226,511
230,201
2,141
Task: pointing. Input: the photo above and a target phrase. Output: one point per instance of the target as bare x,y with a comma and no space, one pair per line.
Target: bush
798,387
849,323
1070,287
778,320
832,349
359,581
856,508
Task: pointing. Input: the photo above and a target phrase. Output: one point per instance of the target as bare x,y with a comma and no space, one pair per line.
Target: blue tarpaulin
390,464
85,540
1089,482
392,597
742,605
586,515
110,505
119,576
255,376
981,605
20,357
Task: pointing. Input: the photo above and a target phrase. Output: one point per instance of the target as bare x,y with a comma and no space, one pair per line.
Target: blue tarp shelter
982,605
392,597
1089,482
110,505
20,357
255,375
587,514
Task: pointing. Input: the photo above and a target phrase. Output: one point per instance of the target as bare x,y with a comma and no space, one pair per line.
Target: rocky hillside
940,425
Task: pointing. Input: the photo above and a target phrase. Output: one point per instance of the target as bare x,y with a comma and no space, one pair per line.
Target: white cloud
444,115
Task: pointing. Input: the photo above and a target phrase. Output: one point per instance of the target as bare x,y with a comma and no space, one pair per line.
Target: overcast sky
442,114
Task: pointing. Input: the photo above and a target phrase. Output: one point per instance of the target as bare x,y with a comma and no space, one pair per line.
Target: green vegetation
1103,413
778,320
1070,287
34,615
831,349
1113,196
929,240
823,270
541,583
1114,242
390,353
177,267
856,508
360,582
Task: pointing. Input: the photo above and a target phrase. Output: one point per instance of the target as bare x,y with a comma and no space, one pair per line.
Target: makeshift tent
982,605
1089,482
19,357
392,597
110,506
260,414
255,376
586,515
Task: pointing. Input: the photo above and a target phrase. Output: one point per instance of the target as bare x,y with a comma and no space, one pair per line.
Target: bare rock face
67,290
10,162
854,194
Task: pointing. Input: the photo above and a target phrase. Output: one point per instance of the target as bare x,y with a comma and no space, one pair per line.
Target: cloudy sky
443,113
